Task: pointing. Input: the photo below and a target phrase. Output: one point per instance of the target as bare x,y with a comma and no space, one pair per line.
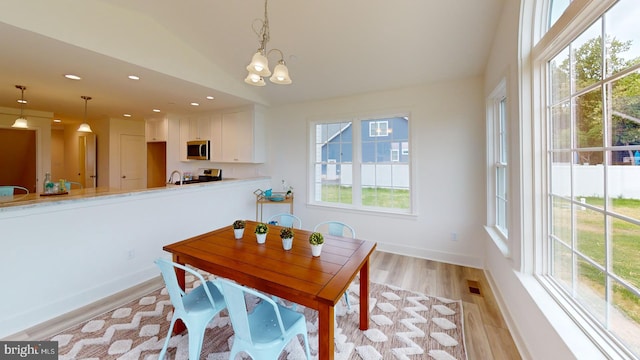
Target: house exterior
384,140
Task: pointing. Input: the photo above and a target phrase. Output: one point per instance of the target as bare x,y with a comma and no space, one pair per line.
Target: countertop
35,199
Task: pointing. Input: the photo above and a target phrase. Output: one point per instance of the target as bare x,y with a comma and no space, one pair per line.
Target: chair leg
196,336
166,342
306,345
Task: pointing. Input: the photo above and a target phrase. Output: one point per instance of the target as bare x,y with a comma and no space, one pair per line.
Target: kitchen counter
93,243
76,195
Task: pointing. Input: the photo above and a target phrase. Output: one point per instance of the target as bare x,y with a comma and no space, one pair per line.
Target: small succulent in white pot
238,228
286,234
316,240
261,232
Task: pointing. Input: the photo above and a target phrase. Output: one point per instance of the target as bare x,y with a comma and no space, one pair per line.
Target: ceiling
332,48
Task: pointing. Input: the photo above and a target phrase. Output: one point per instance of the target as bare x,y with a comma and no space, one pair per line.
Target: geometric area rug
403,325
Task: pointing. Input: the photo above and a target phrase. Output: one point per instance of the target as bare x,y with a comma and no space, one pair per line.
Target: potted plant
316,240
286,234
238,228
261,232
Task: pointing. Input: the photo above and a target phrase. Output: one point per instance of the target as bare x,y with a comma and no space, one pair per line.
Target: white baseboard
449,258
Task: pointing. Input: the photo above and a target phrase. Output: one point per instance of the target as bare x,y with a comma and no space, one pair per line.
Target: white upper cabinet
243,138
156,129
196,128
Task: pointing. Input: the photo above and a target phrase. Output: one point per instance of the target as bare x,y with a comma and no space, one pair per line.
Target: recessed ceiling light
210,97
134,77
57,120
156,110
126,115
195,104
72,77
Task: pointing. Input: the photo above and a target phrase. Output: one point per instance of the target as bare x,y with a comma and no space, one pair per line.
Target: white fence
622,181
396,175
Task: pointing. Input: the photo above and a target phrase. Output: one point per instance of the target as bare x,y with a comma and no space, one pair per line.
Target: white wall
57,258
447,148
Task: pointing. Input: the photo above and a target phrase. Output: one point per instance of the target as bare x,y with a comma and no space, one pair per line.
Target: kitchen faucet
170,181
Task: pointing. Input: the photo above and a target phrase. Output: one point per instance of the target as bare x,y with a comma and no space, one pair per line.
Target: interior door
87,160
133,162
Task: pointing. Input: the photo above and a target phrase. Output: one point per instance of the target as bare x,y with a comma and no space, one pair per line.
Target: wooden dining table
295,275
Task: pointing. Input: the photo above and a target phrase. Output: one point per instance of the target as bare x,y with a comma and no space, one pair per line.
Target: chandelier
21,122
259,66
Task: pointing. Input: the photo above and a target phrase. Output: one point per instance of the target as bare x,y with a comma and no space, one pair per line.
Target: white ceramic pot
316,249
287,243
261,238
238,233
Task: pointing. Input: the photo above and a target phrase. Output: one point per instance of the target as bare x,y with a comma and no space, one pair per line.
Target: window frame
578,17
497,135
357,162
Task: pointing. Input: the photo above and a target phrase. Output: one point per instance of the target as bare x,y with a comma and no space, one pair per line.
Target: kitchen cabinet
243,137
156,129
193,128
196,128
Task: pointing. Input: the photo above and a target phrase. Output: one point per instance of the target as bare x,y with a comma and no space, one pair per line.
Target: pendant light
259,67
21,122
84,127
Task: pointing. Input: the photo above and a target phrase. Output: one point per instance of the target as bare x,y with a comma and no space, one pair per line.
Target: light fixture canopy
21,122
84,127
259,67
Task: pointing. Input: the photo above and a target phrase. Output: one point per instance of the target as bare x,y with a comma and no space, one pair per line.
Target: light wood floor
486,334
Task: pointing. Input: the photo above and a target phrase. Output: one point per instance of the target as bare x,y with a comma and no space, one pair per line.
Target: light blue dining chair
196,308
9,190
337,228
263,331
286,220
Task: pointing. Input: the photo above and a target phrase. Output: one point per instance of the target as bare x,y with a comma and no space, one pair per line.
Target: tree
585,68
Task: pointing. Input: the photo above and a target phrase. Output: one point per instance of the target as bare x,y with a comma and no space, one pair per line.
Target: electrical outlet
131,254
454,236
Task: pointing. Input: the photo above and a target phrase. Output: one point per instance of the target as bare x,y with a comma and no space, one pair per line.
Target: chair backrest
286,220
168,269
9,190
234,295
335,228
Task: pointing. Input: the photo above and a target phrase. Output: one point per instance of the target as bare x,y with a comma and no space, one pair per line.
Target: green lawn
375,197
590,241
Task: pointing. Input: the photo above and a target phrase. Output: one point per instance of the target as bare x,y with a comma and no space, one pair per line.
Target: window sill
499,240
580,333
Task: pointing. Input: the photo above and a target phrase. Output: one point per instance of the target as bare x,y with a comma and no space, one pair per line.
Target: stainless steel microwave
199,150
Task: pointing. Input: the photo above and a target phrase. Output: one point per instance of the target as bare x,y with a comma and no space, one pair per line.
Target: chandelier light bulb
259,67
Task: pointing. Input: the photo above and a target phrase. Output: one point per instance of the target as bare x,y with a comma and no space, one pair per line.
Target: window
379,128
362,163
593,181
557,8
498,161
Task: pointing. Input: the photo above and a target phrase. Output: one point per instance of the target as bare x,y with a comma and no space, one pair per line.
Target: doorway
87,160
18,158
156,164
